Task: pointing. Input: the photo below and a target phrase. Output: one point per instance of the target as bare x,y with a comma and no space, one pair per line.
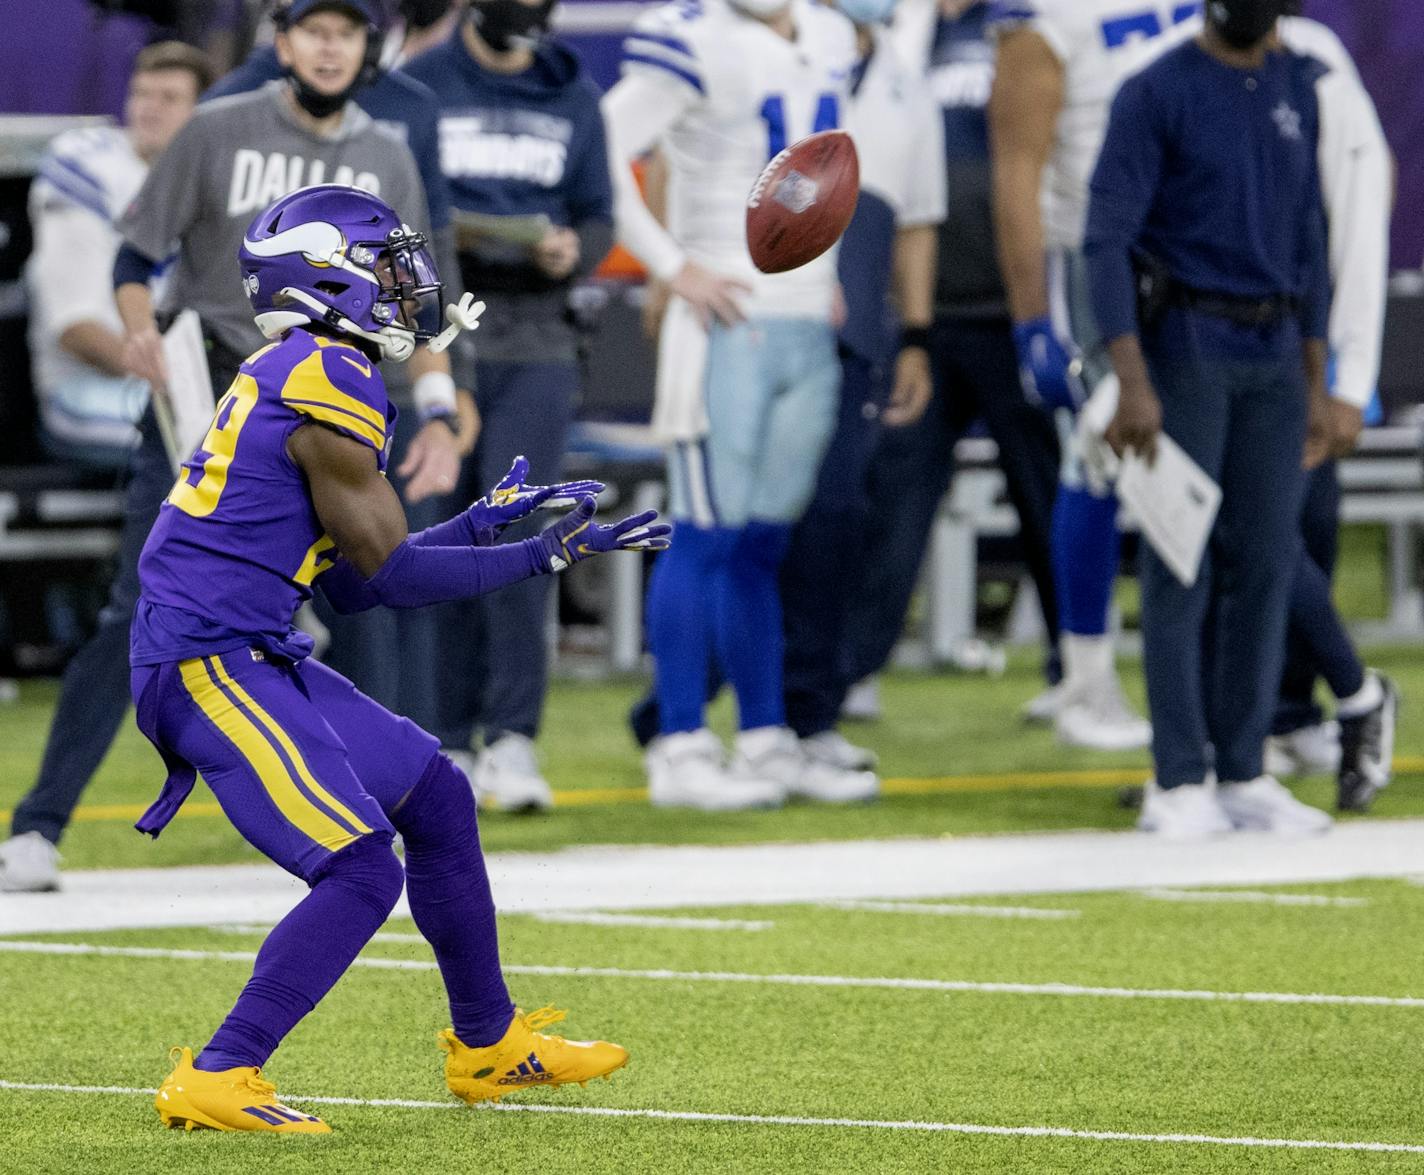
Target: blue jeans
1213,652
492,658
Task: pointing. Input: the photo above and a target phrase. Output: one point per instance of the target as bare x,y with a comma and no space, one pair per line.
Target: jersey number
204,475
773,113
1144,25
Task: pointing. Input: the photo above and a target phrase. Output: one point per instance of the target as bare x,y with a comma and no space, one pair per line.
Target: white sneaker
833,748
862,701
686,771
774,754
827,783
1185,813
1311,750
1043,708
1264,805
1097,715
28,864
507,777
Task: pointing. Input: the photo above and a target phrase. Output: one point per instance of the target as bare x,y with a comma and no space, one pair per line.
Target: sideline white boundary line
943,910
571,917
874,982
649,921
1251,897
785,1120
648,879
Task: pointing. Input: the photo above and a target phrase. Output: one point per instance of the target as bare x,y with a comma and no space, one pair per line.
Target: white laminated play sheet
1175,504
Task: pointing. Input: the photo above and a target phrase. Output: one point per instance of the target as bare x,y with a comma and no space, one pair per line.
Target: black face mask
314,102
421,14
1242,24
501,23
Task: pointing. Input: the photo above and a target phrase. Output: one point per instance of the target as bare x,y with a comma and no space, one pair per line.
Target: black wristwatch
915,336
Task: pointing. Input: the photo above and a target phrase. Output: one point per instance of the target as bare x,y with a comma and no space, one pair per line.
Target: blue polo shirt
1212,170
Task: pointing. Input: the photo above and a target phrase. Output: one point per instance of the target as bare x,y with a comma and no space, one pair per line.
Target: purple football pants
320,778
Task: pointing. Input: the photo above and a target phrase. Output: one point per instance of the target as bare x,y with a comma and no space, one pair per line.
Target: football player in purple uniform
287,492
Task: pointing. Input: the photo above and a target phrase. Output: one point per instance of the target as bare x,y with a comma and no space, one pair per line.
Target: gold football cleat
233,1099
525,1057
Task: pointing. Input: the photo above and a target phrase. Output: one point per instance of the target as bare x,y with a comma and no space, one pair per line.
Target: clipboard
186,412
1175,503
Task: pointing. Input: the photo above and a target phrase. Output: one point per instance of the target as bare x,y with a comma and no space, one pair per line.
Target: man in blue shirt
1207,259
523,151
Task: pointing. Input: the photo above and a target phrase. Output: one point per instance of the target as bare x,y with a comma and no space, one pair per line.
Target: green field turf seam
1090,778
953,910
1252,897
703,1116
778,980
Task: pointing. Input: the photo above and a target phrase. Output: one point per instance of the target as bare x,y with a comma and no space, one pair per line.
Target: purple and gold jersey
237,544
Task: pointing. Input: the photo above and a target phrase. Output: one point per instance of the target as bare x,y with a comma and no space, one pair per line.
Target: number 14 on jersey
827,117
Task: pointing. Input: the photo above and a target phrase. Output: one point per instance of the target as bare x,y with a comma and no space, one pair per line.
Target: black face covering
501,23
1243,23
421,14
314,102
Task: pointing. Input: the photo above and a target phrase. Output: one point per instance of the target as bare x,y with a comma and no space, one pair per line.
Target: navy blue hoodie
521,145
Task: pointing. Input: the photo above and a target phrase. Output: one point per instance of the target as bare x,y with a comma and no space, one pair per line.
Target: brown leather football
802,201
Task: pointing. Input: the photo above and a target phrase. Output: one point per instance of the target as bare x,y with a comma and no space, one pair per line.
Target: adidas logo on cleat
528,1072
275,1115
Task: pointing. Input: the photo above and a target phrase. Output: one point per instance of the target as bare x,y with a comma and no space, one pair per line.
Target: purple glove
576,536
510,500
1050,370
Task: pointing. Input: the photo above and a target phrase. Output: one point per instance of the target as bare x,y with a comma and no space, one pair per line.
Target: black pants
816,591
976,376
94,693
1317,643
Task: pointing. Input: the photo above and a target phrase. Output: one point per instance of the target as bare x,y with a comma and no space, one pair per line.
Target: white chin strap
396,343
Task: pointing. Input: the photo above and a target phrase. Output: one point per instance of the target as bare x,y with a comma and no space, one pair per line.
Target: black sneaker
1367,752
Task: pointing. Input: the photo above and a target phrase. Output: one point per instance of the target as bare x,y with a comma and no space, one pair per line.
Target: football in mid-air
802,201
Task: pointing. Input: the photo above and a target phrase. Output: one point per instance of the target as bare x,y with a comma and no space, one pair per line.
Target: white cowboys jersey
746,92
1100,43
85,181
899,134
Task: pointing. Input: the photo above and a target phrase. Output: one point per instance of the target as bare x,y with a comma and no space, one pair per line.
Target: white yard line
941,910
783,1120
650,921
853,981
647,878
572,917
1251,897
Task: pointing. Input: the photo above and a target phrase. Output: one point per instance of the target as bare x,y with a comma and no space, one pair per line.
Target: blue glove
576,536
510,500
1050,370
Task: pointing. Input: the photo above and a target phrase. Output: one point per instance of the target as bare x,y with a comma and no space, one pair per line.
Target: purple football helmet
339,256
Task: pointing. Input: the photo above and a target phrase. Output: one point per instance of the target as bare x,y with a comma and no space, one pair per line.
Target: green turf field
938,729
1157,1053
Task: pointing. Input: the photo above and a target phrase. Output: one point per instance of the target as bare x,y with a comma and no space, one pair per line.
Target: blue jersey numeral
773,113
1144,25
